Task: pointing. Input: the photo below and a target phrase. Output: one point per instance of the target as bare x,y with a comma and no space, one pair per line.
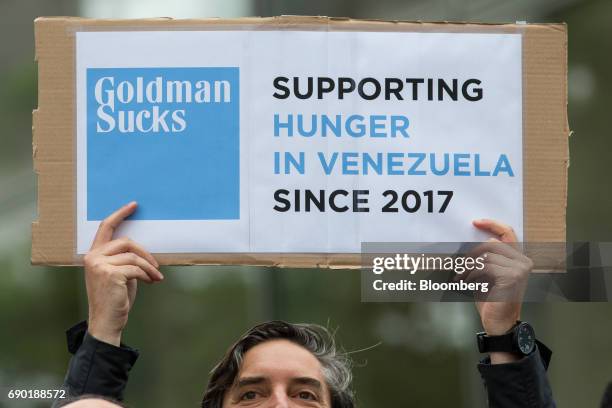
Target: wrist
499,318
498,357
104,334
498,328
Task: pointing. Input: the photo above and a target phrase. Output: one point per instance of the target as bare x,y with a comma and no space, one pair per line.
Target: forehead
280,359
92,403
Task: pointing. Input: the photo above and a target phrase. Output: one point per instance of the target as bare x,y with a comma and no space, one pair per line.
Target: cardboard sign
290,141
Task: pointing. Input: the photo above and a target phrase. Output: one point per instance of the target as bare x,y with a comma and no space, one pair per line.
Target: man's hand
112,268
507,270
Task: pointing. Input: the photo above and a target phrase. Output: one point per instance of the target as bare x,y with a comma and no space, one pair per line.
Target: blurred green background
426,356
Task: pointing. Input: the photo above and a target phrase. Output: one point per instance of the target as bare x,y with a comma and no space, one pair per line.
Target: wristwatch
519,339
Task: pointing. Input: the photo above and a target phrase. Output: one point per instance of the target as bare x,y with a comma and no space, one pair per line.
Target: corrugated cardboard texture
546,155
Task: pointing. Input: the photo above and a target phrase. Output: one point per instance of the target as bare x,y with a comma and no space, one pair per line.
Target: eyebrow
308,381
246,381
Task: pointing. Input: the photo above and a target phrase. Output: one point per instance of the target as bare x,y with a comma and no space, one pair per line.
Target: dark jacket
102,369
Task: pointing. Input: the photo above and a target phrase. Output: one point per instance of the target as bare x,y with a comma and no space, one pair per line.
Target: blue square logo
168,138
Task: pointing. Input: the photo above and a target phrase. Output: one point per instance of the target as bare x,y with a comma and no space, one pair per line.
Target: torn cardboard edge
545,128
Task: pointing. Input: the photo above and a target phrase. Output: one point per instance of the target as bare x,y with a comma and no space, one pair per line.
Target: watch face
526,338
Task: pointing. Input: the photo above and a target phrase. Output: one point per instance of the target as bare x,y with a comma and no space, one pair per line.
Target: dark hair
62,402
314,338
606,402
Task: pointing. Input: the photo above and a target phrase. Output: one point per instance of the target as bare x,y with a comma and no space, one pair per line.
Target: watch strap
503,343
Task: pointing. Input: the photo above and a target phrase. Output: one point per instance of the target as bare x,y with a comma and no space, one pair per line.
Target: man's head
278,364
89,401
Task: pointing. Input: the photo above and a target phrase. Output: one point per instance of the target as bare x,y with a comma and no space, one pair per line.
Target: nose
280,399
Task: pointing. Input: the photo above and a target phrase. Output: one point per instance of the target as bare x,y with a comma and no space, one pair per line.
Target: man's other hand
112,268
507,270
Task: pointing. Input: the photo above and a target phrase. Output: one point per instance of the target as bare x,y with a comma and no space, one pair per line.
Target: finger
496,247
504,284
504,232
485,274
131,272
109,224
500,260
130,258
121,245
506,281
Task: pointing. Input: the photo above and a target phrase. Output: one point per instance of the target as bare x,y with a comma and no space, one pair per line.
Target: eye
249,395
307,395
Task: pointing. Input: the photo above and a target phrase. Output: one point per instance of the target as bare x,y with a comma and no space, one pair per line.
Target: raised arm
513,377
100,363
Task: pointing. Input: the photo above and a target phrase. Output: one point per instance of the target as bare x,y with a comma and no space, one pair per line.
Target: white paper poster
297,141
